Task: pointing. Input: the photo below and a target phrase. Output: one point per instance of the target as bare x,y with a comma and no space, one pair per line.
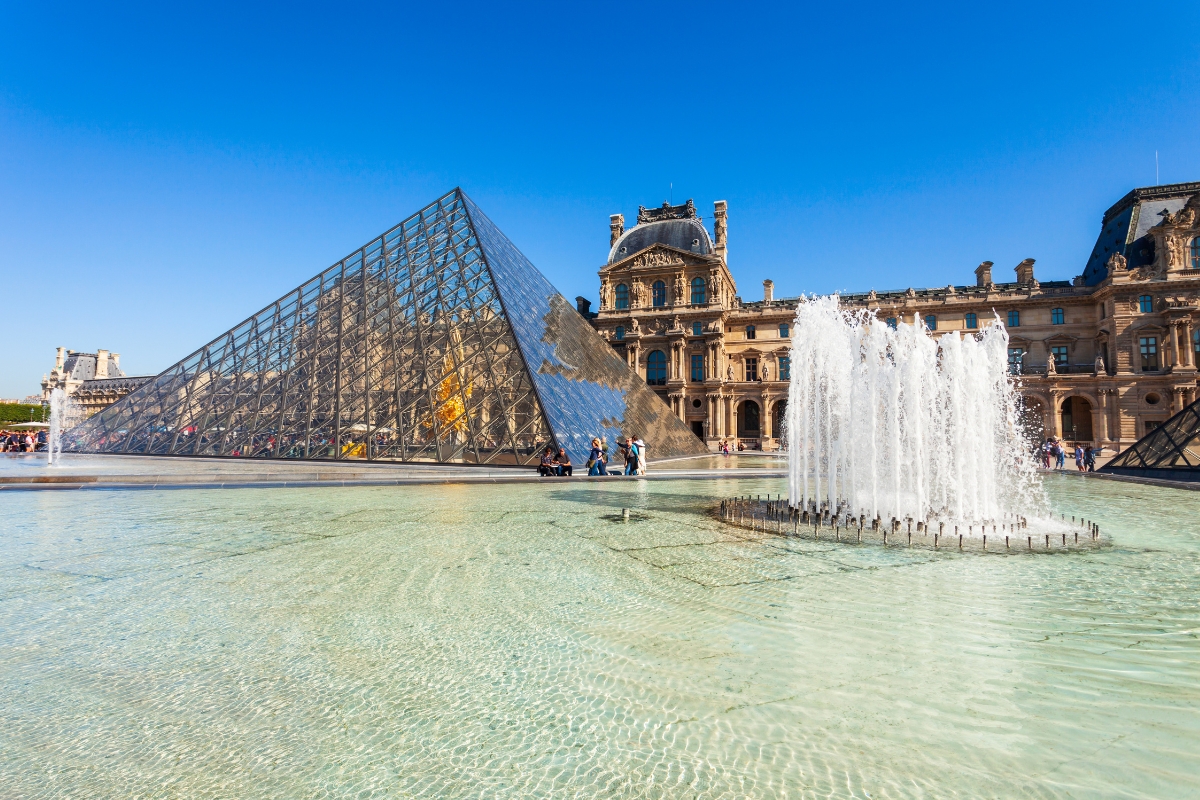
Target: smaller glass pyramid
1170,451
437,341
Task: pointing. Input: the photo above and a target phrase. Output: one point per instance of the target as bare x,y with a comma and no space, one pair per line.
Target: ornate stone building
93,380
1103,358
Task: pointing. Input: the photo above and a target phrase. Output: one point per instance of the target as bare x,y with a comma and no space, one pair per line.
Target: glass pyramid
435,342
1171,451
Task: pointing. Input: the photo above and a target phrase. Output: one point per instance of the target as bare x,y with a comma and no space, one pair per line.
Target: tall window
697,368
785,368
750,332
751,369
1014,319
972,320
1196,347
891,323
1146,304
620,332
697,329
1060,356
658,294
656,368
931,322
1016,355
698,293
622,296
1196,253
783,330
1056,316
1148,345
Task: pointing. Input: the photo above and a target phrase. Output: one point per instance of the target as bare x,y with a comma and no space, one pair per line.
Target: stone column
765,420
1189,357
1056,414
1100,420
1173,328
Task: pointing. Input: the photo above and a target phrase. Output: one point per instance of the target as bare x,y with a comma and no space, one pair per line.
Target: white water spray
893,424
64,414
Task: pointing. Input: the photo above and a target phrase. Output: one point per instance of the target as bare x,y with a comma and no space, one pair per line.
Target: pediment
1061,338
1148,327
658,256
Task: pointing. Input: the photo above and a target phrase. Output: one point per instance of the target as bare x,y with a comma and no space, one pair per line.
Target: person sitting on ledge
563,462
546,468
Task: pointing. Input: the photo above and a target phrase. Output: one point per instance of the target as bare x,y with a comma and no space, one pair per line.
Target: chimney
1025,272
116,362
768,290
616,226
58,359
983,274
721,228
101,363
584,307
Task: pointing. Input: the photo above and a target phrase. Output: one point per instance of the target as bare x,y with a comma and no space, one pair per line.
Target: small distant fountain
64,414
891,424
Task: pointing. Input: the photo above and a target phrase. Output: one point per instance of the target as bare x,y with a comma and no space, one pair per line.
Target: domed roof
684,234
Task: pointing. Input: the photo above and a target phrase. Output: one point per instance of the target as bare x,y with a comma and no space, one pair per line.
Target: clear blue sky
167,171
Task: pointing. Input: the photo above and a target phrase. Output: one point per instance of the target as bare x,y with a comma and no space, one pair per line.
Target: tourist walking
562,462
631,457
597,459
643,455
1060,455
1089,458
1079,458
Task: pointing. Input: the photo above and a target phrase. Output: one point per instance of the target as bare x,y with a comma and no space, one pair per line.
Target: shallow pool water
524,641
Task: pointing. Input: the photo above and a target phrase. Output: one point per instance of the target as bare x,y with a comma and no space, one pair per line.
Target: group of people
633,453
22,441
726,449
1085,457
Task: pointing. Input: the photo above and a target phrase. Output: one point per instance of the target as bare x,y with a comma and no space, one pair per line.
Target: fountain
64,414
887,423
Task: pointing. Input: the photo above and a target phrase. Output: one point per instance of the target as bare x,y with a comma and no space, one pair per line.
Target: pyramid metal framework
1170,451
435,342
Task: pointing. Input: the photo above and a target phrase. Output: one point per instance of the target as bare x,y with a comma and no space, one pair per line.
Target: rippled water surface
522,640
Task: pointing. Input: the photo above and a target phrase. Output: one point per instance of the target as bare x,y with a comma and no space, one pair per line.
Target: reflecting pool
524,640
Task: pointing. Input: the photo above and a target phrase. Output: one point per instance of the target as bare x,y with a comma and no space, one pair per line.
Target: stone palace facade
1102,359
93,380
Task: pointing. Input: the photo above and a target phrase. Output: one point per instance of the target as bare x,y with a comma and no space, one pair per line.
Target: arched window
1146,304
620,333
931,322
1196,253
750,332
622,296
656,368
1056,316
783,330
972,320
658,294
1014,319
698,293
697,329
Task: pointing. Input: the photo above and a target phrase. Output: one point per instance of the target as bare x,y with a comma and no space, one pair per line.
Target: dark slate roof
1126,227
685,234
129,382
82,366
